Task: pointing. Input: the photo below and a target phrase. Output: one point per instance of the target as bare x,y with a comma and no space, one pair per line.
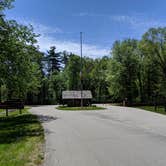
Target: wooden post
124,103
155,102
6,112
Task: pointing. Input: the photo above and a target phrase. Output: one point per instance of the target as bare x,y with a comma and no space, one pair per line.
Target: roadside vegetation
159,110
65,108
21,140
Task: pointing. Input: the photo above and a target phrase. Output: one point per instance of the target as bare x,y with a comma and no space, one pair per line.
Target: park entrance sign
73,98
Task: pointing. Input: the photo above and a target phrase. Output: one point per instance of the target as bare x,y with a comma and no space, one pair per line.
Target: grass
65,108
152,109
21,140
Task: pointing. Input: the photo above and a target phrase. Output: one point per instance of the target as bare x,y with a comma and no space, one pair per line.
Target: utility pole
81,70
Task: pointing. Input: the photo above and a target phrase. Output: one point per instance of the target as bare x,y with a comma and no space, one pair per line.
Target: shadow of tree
16,128
44,118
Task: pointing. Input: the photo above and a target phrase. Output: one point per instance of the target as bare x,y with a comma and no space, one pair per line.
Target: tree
99,83
72,72
155,43
154,46
5,4
123,70
65,58
54,60
19,57
57,84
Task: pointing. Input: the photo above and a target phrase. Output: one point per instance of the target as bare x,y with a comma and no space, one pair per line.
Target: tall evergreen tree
54,60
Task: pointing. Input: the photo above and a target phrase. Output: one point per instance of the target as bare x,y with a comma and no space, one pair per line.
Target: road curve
114,137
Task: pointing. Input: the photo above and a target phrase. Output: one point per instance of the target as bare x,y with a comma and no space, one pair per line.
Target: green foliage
56,86
137,69
123,70
54,60
20,71
99,84
154,45
93,75
3,93
72,72
6,4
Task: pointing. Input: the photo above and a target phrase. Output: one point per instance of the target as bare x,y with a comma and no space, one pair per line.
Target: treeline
61,71
137,69
134,71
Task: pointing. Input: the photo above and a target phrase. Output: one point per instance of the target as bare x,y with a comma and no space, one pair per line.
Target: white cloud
92,51
139,21
38,27
48,39
135,21
43,29
84,14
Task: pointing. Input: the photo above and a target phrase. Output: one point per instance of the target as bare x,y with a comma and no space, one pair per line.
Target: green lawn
65,108
21,140
151,108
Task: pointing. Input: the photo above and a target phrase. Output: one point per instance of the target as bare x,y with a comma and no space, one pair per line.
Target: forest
134,71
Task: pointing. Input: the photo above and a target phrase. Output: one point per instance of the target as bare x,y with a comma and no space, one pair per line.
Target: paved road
113,137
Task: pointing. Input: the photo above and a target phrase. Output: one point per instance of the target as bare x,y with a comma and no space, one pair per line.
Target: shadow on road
45,118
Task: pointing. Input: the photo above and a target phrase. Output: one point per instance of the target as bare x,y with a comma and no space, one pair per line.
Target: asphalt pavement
117,136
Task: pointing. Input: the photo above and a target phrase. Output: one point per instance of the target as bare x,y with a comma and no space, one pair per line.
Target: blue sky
101,21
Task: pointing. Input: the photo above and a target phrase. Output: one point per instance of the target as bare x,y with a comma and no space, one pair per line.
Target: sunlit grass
65,108
21,140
